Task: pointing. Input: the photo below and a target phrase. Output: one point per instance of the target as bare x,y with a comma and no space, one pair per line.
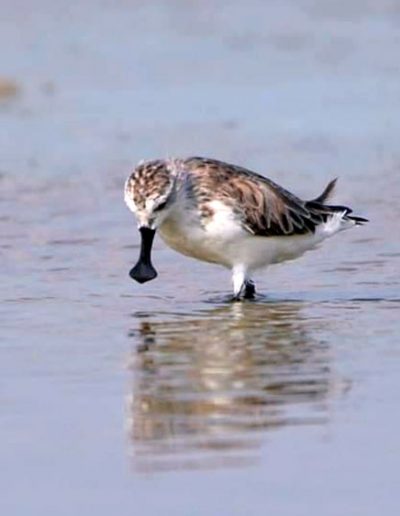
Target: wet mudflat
121,398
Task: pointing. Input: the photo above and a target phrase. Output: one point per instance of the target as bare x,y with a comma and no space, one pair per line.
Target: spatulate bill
143,270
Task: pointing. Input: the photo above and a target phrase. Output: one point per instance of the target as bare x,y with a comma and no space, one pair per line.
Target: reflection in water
206,389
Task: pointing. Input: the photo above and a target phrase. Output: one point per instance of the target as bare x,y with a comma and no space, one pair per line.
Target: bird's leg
249,291
243,287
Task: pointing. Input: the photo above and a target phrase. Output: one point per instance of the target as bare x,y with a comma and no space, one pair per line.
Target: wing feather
263,207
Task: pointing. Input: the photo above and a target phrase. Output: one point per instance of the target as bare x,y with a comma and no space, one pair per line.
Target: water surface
120,398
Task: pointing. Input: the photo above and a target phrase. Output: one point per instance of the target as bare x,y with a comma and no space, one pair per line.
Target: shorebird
227,215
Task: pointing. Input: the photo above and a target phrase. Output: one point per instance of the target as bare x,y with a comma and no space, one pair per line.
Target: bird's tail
330,211
319,205
358,221
327,193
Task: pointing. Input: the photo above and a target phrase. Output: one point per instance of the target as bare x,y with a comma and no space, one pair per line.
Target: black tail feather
327,193
318,205
358,220
326,210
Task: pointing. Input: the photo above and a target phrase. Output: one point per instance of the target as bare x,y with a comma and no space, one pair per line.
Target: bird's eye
161,206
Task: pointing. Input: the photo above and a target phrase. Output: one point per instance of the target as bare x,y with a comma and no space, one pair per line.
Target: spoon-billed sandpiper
227,215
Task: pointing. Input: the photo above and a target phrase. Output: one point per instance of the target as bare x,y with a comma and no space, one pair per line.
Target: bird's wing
263,207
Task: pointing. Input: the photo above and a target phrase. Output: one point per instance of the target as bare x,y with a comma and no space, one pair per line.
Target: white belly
191,240
256,252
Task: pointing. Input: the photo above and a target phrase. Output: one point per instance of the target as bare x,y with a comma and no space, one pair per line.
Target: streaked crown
149,189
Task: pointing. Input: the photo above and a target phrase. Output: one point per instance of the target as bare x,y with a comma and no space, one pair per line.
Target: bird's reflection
208,387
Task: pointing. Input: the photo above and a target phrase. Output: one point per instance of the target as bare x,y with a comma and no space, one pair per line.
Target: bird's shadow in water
208,387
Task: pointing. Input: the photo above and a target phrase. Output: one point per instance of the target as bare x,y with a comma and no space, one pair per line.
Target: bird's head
149,193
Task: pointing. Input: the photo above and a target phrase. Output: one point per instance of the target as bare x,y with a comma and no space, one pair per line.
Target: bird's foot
248,291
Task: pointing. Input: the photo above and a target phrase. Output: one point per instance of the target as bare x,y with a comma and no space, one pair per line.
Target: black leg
249,290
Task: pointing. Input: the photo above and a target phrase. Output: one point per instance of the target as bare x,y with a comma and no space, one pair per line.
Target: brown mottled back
265,208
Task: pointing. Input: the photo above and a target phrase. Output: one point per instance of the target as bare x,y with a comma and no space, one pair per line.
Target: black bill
144,271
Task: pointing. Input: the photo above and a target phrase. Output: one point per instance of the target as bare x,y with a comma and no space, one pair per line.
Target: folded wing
263,207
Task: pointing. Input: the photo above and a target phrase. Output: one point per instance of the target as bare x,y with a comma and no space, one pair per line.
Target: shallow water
120,398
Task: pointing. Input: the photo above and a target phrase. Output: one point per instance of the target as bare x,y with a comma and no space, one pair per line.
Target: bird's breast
184,233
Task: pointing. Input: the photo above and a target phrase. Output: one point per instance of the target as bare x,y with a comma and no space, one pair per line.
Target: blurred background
123,398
